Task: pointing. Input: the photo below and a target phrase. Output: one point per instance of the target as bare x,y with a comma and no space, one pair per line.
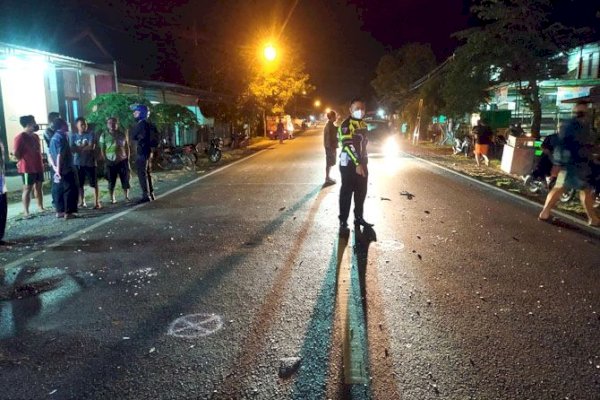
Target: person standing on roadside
331,144
84,148
3,199
114,147
66,191
49,132
572,154
482,134
28,152
144,133
353,165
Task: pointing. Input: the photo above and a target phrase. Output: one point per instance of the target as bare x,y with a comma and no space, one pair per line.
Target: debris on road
386,199
288,366
408,195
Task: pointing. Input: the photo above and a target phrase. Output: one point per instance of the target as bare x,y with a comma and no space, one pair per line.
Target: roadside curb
581,224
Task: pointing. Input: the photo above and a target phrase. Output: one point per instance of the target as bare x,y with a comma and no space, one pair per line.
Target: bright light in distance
270,52
327,110
391,148
312,117
317,103
381,112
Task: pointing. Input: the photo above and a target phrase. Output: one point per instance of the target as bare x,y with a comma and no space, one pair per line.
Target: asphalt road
202,293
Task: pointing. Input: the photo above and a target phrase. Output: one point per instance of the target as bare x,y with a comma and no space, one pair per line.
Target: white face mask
357,114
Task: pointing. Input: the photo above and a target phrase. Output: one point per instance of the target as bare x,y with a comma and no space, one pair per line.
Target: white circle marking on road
195,325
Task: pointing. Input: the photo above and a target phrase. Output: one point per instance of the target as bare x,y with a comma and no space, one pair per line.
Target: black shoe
362,222
143,200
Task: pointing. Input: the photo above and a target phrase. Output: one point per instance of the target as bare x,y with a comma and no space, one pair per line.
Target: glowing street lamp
327,110
270,52
317,103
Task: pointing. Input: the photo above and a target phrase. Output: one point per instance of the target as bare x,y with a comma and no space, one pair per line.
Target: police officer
353,165
144,134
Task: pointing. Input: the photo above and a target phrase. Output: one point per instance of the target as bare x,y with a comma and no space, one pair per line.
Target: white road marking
105,221
583,224
195,325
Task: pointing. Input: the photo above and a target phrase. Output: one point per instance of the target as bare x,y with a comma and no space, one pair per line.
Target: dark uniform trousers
352,184
144,173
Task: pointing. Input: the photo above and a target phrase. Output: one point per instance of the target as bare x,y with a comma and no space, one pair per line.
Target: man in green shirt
114,147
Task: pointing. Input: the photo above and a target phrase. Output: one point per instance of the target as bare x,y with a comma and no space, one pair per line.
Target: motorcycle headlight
391,148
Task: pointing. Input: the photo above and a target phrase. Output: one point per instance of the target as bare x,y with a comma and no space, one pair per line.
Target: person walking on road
114,147
353,165
144,133
331,145
84,148
572,154
66,191
28,152
3,198
280,130
482,134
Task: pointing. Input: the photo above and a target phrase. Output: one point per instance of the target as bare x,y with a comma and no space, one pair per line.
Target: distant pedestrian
280,130
66,191
49,132
3,198
144,133
114,147
572,154
353,164
331,144
85,158
482,135
28,152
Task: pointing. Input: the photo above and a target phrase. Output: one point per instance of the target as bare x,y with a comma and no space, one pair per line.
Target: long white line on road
566,216
105,221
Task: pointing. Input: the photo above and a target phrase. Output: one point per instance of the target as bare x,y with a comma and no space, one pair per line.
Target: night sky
340,41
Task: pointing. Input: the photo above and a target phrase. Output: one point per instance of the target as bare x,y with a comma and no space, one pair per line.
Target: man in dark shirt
572,154
483,138
65,188
331,143
143,133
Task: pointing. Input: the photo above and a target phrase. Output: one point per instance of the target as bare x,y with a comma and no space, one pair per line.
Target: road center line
105,221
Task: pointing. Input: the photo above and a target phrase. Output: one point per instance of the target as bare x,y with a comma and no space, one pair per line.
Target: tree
396,71
117,105
464,86
273,88
519,42
166,116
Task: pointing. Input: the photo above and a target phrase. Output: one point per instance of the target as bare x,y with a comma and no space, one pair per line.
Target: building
37,82
583,74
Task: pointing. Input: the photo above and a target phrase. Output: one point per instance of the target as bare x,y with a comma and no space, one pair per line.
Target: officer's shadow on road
362,241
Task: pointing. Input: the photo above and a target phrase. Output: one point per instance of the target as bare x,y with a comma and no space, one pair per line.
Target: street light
270,52
317,103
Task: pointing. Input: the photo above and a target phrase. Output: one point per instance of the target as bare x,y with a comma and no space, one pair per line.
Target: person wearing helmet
144,133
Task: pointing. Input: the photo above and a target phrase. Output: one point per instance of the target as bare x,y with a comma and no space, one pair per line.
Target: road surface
207,291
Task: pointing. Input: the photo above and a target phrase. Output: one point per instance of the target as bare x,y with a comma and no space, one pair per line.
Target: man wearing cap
144,133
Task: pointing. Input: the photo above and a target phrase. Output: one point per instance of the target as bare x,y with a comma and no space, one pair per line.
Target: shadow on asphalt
101,368
316,350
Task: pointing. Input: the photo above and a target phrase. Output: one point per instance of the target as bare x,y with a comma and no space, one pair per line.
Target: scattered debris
409,196
288,366
427,212
282,208
385,199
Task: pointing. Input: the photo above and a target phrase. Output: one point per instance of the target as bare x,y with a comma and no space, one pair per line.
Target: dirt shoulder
492,175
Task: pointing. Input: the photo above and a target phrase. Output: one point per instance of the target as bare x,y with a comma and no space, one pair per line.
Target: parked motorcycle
214,150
